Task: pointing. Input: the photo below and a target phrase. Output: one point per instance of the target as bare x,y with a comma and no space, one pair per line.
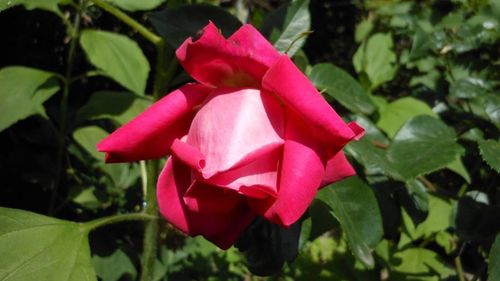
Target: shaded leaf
355,206
415,201
114,266
88,137
177,24
494,259
117,57
287,24
342,87
469,87
134,5
424,144
22,93
492,108
36,247
490,151
120,107
474,219
48,5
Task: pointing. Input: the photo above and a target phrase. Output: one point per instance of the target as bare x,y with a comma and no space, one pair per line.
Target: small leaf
355,206
286,25
415,201
88,137
396,113
120,107
48,5
458,167
177,24
117,57
424,144
22,93
342,87
490,151
134,5
419,264
363,29
376,58
494,261
114,266
492,108
36,247
469,87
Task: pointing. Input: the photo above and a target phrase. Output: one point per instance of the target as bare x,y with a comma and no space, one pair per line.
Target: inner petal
233,126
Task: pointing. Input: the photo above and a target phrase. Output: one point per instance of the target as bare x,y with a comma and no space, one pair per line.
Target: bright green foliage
376,59
419,264
354,205
36,247
342,87
134,5
23,91
117,57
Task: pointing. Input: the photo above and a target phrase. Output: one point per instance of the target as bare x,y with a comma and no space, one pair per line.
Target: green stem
151,228
459,269
91,225
150,36
63,106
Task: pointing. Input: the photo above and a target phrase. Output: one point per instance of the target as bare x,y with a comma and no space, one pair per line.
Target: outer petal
337,168
286,81
222,226
234,127
301,173
239,61
151,133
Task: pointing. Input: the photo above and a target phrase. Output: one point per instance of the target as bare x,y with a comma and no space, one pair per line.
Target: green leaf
415,200
134,5
120,107
494,259
458,167
48,5
177,24
363,29
354,204
376,58
22,93
469,87
342,87
117,57
419,264
87,199
490,151
114,266
36,247
398,112
423,145
88,137
288,25
492,108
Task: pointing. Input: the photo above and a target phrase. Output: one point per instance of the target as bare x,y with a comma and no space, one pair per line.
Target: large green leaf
376,59
355,206
177,24
424,144
469,87
418,264
490,151
120,107
494,260
342,87
23,91
48,5
288,25
396,113
88,137
134,5
117,57
36,247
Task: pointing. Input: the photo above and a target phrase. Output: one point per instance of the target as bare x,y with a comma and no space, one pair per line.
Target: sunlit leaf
419,264
36,247
117,57
23,91
490,151
48,5
134,5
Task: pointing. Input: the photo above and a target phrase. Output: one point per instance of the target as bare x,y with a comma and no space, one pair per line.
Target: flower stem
459,269
91,225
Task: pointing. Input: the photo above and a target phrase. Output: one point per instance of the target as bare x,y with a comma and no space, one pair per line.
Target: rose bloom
252,137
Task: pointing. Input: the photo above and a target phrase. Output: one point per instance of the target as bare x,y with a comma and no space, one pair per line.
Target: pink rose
252,137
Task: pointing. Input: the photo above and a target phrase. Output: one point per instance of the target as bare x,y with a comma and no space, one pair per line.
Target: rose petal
302,170
286,81
150,134
235,127
211,200
337,168
222,228
257,179
239,61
